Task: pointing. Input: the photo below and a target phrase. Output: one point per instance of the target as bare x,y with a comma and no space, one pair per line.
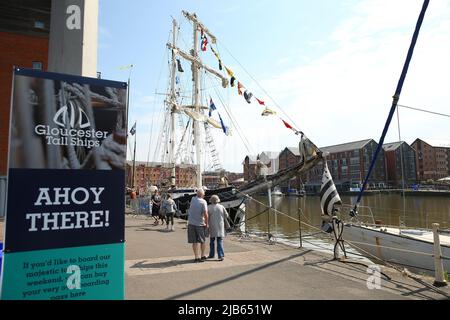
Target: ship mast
173,107
196,104
196,116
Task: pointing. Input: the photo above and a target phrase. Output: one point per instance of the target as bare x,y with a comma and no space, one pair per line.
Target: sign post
64,232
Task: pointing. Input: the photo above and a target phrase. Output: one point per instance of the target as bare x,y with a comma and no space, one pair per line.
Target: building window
39,24
37,65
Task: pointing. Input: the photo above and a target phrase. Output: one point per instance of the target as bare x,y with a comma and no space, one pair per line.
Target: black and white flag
328,193
133,129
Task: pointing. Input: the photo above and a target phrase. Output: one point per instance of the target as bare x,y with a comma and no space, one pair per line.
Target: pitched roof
346,146
437,143
271,154
251,159
295,151
392,145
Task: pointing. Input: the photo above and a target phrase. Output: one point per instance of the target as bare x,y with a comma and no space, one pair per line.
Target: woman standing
217,221
156,203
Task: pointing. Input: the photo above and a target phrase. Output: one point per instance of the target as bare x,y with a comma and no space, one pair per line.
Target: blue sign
64,232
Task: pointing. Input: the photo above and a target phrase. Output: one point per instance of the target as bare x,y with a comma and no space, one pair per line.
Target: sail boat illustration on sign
196,114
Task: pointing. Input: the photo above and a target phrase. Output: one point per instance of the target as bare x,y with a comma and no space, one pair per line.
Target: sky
329,68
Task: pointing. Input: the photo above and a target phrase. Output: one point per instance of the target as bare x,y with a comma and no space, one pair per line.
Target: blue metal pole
396,97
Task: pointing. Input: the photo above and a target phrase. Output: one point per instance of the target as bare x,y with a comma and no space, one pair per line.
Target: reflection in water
390,209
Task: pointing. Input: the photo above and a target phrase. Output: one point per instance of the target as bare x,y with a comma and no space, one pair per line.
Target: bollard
337,250
439,280
300,228
269,194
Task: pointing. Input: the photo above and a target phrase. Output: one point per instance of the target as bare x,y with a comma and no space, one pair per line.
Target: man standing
197,225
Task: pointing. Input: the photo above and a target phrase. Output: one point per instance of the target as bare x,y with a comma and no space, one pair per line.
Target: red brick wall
391,167
15,50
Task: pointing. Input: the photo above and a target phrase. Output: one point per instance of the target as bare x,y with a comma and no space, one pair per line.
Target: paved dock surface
159,265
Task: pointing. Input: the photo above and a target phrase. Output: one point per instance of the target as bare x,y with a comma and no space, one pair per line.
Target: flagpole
134,158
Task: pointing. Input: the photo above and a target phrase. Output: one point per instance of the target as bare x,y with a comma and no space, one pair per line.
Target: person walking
197,225
170,208
156,203
217,221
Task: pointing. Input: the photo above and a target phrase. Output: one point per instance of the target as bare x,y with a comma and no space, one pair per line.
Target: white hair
214,199
200,192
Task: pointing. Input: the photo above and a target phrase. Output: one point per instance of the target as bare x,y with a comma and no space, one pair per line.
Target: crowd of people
203,221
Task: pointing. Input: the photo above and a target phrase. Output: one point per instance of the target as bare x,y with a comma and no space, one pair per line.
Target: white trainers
173,228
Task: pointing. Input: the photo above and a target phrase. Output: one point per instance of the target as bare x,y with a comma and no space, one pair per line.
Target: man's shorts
196,234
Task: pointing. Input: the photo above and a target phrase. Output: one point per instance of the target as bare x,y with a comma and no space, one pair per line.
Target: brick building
395,153
288,158
158,174
24,42
432,159
249,167
267,162
212,179
348,164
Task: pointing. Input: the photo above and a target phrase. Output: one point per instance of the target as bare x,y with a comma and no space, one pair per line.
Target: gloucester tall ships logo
73,127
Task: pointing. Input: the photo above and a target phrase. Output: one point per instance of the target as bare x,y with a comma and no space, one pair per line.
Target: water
412,211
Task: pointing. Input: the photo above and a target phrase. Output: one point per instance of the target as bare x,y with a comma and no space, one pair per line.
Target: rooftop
271,154
295,151
437,143
346,146
392,145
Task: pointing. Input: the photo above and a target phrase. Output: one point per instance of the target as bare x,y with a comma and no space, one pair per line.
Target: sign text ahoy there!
46,221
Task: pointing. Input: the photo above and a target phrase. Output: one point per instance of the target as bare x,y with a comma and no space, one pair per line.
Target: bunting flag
287,125
260,102
180,68
268,112
204,41
212,106
248,96
217,57
225,129
240,88
230,73
329,196
133,129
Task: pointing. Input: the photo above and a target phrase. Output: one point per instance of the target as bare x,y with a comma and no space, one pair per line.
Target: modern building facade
400,164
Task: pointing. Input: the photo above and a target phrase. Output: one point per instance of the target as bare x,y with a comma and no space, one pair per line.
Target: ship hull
408,248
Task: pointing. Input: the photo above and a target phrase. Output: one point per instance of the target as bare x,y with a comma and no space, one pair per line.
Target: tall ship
191,114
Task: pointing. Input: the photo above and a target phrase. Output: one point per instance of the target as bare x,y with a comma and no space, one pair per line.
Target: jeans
212,252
